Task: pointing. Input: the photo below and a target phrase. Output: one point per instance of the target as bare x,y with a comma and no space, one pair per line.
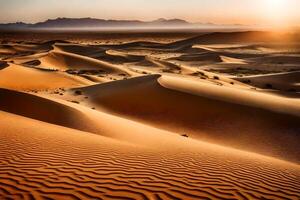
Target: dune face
288,81
25,78
174,108
129,116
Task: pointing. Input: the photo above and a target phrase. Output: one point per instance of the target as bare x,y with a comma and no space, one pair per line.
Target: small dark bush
216,78
78,92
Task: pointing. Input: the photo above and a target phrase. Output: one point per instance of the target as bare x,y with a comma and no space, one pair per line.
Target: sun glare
276,11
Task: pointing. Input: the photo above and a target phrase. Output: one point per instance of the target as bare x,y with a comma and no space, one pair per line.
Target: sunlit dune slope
23,78
63,61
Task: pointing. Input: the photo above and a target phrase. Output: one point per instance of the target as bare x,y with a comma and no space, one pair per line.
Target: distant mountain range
78,23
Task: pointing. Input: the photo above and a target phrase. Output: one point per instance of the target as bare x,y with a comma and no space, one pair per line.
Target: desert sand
211,116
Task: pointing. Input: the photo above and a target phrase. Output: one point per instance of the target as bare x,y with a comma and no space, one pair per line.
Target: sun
275,6
276,10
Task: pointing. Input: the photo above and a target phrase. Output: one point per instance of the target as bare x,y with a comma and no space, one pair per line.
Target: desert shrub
78,92
216,78
198,74
184,135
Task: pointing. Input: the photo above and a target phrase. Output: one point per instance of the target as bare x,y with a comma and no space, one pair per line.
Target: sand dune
228,38
7,50
209,57
75,116
64,61
287,81
279,59
43,110
23,78
13,49
193,108
84,50
77,164
230,60
134,117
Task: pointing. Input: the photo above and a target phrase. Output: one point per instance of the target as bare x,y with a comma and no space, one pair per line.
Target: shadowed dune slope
42,109
242,119
288,81
84,50
17,77
15,49
208,57
225,38
79,165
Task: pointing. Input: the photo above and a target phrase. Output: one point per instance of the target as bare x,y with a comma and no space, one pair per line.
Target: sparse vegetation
184,135
198,74
240,72
85,72
216,78
78,92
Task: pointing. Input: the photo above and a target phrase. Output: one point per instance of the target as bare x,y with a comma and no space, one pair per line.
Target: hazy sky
217,11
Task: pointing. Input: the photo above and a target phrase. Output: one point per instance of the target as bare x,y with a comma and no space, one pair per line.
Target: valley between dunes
216,116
